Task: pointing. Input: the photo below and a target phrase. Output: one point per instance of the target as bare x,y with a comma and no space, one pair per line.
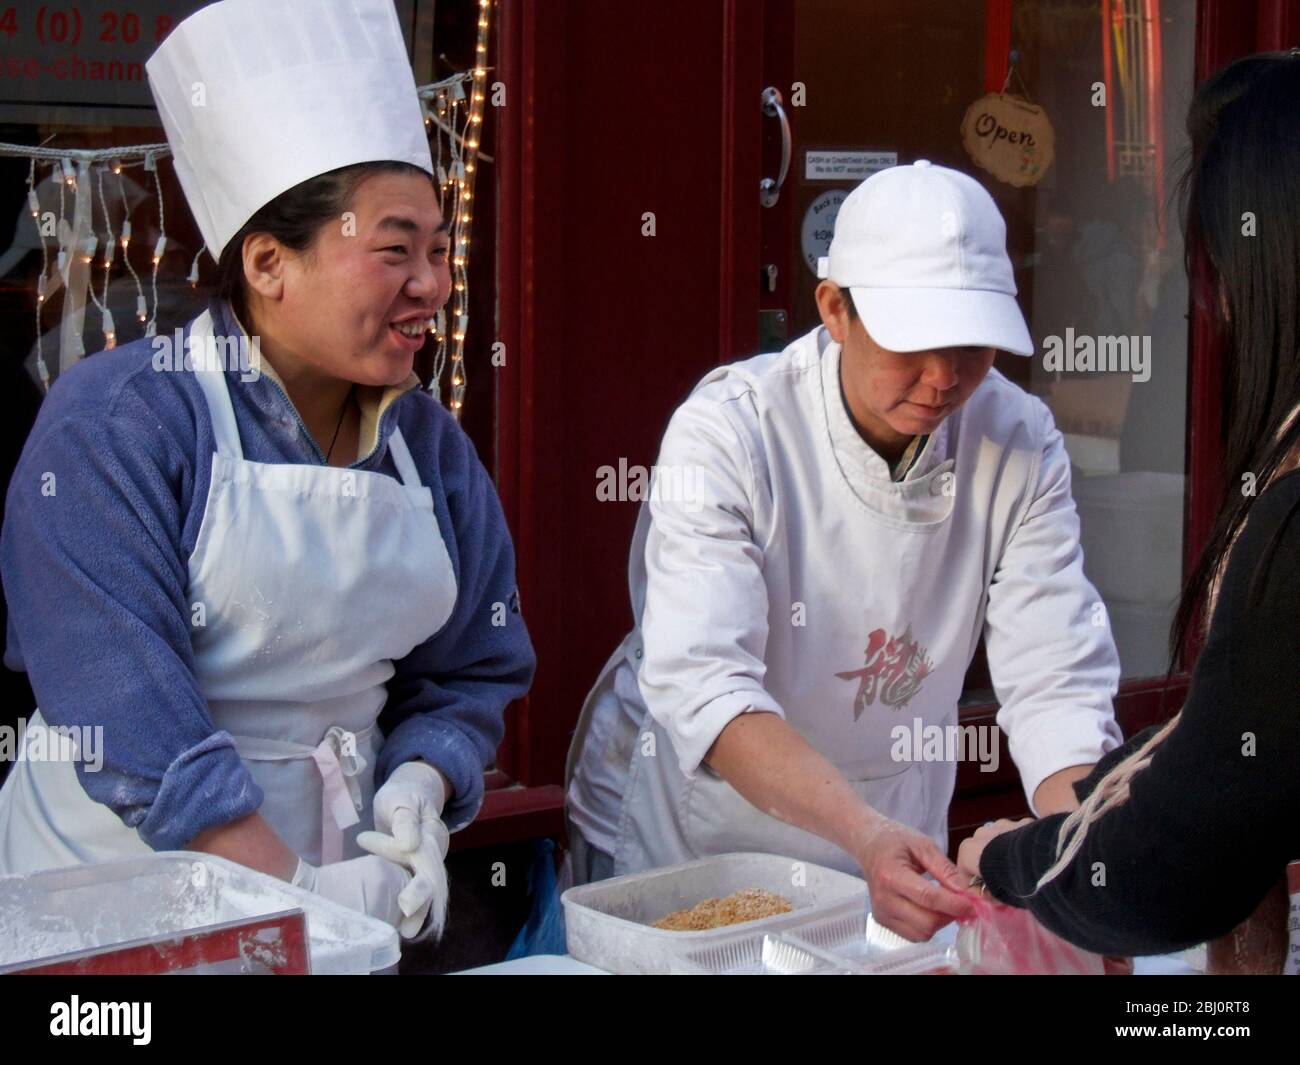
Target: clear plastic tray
64,911
844,939
608,923
772,954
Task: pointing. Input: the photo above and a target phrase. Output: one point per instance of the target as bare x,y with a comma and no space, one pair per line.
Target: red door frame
553,180
521,802
536,255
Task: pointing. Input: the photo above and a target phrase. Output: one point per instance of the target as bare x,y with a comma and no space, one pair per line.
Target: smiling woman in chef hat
276,591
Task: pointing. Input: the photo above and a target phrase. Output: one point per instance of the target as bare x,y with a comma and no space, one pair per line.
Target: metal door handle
769,190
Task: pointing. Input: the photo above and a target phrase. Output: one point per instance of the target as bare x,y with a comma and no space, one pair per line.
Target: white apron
314,580
667,819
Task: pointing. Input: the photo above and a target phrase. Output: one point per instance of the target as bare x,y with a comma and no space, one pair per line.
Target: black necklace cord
347,400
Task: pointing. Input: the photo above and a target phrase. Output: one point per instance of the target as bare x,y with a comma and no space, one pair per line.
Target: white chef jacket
777,567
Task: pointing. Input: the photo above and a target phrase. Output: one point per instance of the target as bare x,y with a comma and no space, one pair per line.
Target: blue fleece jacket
102,515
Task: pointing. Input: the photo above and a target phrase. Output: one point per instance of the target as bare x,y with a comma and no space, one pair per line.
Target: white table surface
1184,964
537,965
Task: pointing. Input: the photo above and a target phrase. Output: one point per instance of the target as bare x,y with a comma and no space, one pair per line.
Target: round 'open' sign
1009,137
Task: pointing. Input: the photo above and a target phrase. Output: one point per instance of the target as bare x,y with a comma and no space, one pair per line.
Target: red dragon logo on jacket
895,668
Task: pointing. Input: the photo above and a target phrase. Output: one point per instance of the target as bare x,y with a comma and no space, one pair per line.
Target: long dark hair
1244,127
295,218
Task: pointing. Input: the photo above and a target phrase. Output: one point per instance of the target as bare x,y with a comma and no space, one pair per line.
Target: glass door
1094,239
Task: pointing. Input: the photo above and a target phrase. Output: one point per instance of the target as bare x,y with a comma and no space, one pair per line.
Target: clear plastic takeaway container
63,911
608,923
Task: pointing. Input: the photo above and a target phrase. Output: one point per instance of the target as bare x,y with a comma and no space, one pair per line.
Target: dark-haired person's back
1210,825
1185,833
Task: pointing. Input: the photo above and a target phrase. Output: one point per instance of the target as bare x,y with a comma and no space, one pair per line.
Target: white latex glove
408,811
370,884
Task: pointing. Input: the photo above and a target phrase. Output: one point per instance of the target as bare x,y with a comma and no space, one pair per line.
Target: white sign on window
83,63
832,165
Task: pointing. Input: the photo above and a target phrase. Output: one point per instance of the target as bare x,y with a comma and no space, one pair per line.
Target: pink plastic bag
1004,940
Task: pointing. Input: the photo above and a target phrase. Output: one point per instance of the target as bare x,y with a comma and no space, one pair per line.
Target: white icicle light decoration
62,171
453,112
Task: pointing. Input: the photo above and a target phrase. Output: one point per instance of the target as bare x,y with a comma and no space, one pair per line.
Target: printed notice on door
831,165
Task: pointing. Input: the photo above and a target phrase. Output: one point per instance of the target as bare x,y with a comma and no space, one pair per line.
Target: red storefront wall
615,110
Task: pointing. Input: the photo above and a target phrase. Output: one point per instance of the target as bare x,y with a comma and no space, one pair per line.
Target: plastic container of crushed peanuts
608,923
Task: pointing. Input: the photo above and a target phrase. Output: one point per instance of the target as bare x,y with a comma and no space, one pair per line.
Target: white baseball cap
923,250
257,96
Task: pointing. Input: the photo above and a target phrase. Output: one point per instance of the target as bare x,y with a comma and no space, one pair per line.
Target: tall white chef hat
257,96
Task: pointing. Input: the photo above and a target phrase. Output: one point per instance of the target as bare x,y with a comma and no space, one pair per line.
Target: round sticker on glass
819,226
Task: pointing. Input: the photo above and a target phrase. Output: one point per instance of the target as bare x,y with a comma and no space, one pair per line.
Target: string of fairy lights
80,173
453,114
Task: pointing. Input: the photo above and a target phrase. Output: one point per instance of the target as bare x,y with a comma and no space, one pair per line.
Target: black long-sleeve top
1211,823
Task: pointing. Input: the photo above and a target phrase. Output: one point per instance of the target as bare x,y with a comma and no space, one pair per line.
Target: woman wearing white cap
274,586
848,516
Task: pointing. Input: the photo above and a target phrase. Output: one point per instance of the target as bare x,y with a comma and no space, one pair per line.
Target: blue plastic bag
543,932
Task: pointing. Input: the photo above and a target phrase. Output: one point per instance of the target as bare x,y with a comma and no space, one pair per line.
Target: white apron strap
215,390
339,761
402,459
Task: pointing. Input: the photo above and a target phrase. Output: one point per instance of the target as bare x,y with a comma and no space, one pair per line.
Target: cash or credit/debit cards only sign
832,165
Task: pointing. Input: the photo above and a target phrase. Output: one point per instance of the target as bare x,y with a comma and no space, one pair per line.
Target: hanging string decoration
82,175
1132,55
103,203
453,111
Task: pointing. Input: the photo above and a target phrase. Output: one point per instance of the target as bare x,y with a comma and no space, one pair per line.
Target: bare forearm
1055,795
770,764
249,841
